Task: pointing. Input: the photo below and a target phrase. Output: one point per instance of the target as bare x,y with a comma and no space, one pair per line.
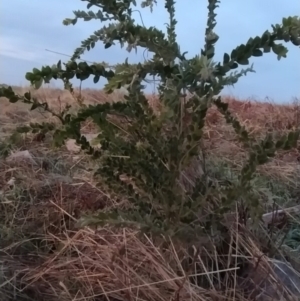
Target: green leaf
59,138
265,37
234,54
34,106
23,129
257,41
96,79
243,61
48,78
107,45
83,66
280,50
46,71
286,36
267,49
36,71
234,65
72,65
27,95
29,76
13,99
38,83
83,76
226,58
257,53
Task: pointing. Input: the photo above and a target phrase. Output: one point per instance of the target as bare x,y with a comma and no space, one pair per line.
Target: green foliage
6,144
143,154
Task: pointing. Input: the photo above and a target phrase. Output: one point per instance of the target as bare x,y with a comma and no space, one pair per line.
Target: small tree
143,154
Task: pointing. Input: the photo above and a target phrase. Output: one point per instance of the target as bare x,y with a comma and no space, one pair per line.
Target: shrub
143,154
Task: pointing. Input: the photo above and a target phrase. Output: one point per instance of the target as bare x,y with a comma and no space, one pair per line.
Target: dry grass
44,255
122,266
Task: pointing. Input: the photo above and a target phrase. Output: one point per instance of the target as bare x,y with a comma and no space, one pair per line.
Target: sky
28,28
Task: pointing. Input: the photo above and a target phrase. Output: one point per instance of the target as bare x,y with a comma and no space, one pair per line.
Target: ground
46,254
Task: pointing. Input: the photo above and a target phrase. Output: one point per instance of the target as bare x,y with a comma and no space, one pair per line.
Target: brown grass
119,265
44,255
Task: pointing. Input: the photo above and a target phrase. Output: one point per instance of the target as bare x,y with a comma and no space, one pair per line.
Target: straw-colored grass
119,265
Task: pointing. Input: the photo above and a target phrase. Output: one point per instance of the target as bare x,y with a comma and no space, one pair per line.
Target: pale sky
29,27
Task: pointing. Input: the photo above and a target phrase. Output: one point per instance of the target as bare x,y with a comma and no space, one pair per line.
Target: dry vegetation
45,255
